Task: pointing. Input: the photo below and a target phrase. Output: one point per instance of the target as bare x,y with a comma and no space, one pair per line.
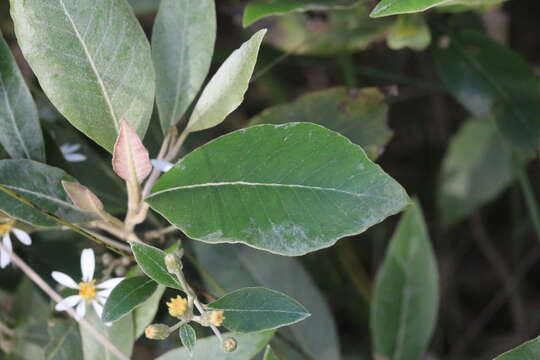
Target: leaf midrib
92,65
40,195
244,183
12,117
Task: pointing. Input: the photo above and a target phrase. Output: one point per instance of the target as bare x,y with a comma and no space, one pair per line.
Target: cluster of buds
181,308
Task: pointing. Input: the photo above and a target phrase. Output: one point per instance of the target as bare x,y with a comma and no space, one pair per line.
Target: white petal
22,236
64,279
75,157
69,148
88,264
4,255
97,308
110,284
81,310
103,299
161,165
70,301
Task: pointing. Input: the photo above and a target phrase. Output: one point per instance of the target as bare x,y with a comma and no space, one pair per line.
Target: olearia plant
126,164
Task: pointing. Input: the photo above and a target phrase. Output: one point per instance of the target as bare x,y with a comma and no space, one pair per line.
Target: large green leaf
232,266
145,313
529,350
152,262
65,341
293,189
487,77
257,10
406,295
126,296
225,90
20,133
209,348
340,31
42,184
182,47
393,7
361,115
93,61
120,333
476,168
258,308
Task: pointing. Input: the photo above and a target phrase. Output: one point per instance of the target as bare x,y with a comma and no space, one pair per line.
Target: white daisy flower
161,165
21,235
89,291
70,153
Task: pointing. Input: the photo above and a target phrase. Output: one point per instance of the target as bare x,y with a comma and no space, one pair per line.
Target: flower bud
229,344
214,317
177,306
157,331
172,262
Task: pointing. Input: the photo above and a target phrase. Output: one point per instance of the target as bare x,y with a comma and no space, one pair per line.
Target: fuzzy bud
229,344
157,331
172,262
213,317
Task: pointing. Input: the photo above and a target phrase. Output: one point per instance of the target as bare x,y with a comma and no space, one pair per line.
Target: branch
57,298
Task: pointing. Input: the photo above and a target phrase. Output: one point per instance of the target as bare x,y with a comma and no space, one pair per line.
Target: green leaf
188,337
126,296
234,266
152,262
209,348
20,133
145,313
406,295
182,46
299,190
409,31
529,350
260,9
487,77
92,51
269,354
393,7
341,31
361,115
225,90
120,333
42,184
476,169
65,341
258,308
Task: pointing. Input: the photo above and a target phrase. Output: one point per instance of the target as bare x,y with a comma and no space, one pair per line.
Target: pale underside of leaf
225,90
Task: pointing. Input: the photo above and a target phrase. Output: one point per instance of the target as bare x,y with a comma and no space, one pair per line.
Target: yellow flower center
216,317
177,306
6,227
88,289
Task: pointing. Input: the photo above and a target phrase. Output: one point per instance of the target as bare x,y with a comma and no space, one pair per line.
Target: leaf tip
131,160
